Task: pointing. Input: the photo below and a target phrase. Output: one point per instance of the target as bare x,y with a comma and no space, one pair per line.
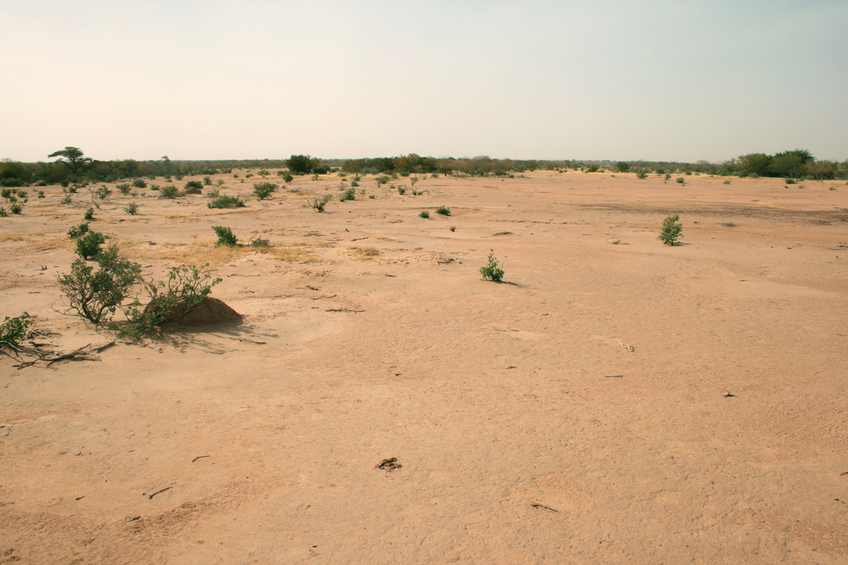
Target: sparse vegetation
14,330
671,230
681,180
349,194
424,214
123,188
225,236
138,183
131,209
491,271
96,294
319,203
263,190
443,210
226,201
168,191
193,184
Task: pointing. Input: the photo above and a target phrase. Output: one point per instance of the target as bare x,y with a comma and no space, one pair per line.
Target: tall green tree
72,157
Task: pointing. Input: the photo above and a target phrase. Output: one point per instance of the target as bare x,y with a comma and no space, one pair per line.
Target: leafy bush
88,244
381,180
789,180
680,180
453,228
207,181
186,289
349,194
2,212
491,271
39,183
225,236
101,192
287,176
78,231
214,193
40,194
641,174
169,191
319,203
424,214
401,190
592,168
443,210
671,230
6,193
65,183
226,202
15,208
123,188
131,209
14,330
95,295
194,184
263,190
139,183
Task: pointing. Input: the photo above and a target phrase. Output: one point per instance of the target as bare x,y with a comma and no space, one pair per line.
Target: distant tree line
71,165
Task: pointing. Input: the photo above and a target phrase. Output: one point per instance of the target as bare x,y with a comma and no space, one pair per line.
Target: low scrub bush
169,191
184,290
139,183
424,214
443,210
16,208
194,184
681,180
123,188
263,190
226,202
225,236
96,294
131,209
39,183
319,203
671,230
349,194
491,271
14,330
88,244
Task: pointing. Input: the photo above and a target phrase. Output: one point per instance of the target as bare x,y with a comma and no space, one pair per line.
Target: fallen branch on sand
85,353
343,310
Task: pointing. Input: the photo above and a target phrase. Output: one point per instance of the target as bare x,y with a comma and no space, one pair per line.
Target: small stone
131,517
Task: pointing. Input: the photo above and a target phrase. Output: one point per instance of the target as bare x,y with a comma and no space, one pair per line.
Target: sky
675,80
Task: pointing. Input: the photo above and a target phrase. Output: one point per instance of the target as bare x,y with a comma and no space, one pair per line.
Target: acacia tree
72,157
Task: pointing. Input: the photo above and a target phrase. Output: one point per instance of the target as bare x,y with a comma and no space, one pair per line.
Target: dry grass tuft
207,252
365,253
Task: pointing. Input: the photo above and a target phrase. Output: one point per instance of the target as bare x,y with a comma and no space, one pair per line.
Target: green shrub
39,183
789,180
671,230
401,190
354,183
15,208
131,209
2,212
123,188
225,236
319,203
207,181
23,194
491,271
680,180
101,192
40,194
155,187
169,191
194,184
78,231
139,183
263,190
214,193
95,295
641,174
453,228
14,330
186,289
727,181
381,180
592,168
424,214
667,176
65,183
88,244
6,193
443,210
226,202
66,199
349,194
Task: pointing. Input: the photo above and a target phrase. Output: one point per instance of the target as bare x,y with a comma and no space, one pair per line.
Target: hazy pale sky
668,80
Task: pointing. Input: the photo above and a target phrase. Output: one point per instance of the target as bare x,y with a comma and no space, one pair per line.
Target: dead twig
359,238
198,457
150,496
343,310
630,347
543,507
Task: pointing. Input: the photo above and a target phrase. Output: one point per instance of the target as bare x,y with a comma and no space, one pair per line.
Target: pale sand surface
519,441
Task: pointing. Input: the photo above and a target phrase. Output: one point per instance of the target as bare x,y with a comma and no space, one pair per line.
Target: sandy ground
576,414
